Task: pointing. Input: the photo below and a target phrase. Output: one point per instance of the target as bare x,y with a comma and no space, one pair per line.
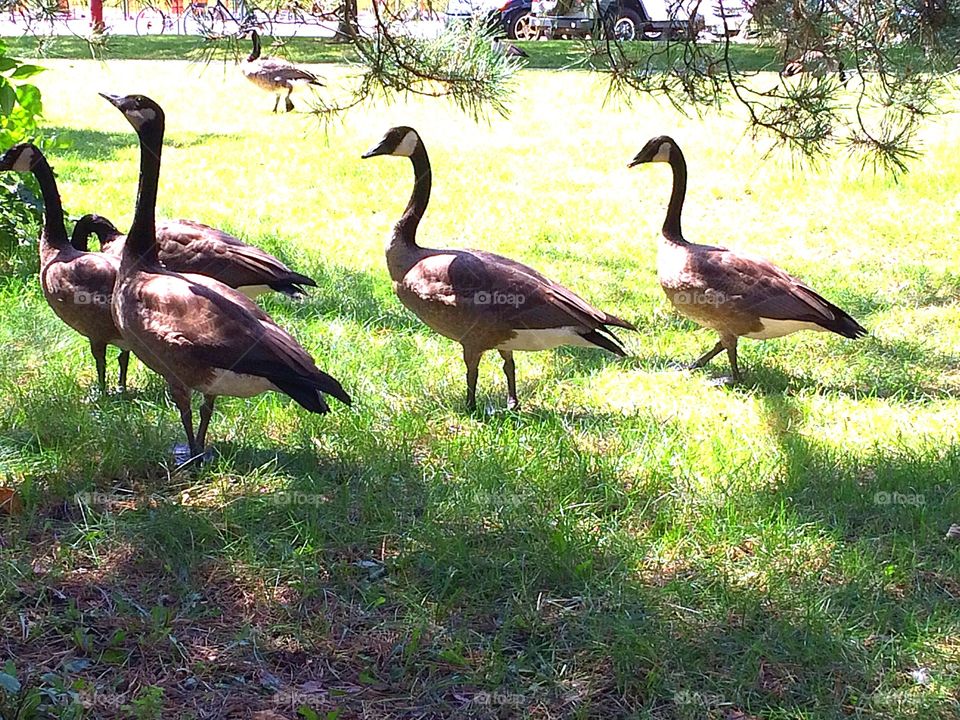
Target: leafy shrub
20,113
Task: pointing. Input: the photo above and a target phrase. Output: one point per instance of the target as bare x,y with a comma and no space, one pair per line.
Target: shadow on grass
401,588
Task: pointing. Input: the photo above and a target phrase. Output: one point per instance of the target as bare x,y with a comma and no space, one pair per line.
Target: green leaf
8,98
307,712
7,64
26,71
28,96
9,683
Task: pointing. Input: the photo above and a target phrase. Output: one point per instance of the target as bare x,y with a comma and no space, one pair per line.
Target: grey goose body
481,300
736,294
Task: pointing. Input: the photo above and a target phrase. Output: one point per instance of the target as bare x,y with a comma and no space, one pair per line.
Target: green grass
636,542
544,55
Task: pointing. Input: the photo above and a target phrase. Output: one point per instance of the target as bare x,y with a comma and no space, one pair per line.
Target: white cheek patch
139,117
407,145
24,161
663,154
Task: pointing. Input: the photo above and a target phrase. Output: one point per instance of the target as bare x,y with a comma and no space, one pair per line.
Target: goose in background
77,285
275,75
501,46
736,294
481,300
197,333
191,247
816,63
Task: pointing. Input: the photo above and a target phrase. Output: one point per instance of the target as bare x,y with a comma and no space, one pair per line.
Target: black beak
379,149
115,100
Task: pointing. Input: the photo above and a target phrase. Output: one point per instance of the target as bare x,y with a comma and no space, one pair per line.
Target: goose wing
753,286
283,71
507,293
546,303
211,325
191,247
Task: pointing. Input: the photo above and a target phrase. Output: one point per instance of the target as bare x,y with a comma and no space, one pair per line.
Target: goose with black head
736,294
197,333
275,75
481,300
77,285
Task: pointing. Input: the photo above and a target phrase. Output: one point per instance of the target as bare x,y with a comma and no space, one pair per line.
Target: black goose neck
141,245
671,225
54,230
255,54
417,206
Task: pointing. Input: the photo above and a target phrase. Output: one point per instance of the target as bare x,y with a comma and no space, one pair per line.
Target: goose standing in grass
77,285
275,75
816,63
501,46
481,300
736,294
197,333
191,247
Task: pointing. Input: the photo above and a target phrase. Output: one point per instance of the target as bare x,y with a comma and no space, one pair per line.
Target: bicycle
151,20
217,21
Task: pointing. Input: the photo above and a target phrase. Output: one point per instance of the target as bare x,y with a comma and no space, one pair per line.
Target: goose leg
206,412
510,370
123,359
99,351
731,345
289,102
707,356
276,103
181,398
471,358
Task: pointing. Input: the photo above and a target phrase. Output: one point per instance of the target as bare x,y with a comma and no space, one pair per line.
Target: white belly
227,382
545,339
779,328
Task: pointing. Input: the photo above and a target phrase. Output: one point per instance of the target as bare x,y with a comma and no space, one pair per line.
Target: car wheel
627,26
519,27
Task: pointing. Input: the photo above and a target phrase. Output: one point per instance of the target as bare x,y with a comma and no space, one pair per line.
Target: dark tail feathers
308,392
607,341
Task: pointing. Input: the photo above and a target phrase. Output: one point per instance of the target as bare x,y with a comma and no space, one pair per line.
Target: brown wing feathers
769,292
190,247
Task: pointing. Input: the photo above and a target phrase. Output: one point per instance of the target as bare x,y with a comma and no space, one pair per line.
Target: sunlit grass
636,542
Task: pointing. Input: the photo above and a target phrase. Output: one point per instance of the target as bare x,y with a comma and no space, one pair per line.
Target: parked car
727,19
624,19
505,17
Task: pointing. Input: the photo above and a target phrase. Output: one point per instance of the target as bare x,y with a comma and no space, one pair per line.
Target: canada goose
194,331
191,247
481,300
736,294
77,285
817,63
500,45
275,75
